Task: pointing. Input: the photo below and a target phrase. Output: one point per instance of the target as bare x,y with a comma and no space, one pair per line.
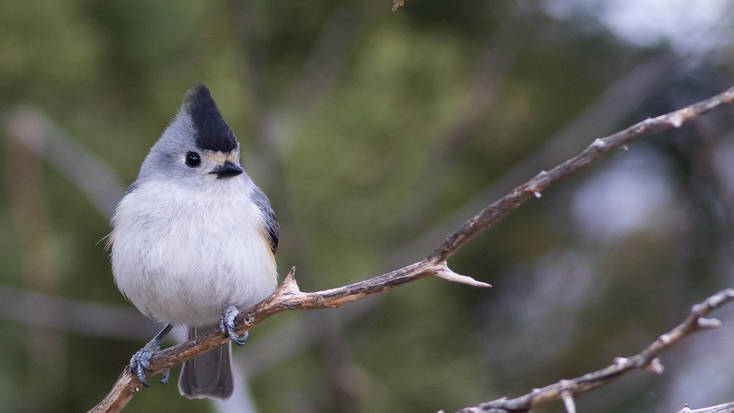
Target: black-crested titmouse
193,241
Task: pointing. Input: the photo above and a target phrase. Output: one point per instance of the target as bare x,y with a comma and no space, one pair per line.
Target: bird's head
198,146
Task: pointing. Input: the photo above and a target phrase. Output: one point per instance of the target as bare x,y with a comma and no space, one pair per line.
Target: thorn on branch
449,275
536,183
676,120
708,323
599,143
655,366
620,362
680,116
289,284
541,175
567,398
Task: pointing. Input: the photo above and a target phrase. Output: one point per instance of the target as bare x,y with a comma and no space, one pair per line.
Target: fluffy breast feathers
181,255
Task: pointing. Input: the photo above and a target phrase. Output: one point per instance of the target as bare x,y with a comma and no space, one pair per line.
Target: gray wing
271,221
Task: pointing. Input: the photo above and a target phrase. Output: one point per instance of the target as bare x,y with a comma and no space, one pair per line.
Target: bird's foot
140,361
165,376
226,325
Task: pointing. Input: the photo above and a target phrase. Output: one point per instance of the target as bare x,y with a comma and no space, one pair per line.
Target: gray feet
165,376
226,325
140,361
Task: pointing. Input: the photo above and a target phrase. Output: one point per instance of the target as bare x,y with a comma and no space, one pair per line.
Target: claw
166,375
226,325
239,340
140,361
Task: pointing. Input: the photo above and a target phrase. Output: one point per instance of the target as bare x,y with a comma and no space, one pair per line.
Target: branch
289,297
646,360
719,408
535,187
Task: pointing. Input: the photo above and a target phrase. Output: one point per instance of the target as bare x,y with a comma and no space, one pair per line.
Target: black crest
212,132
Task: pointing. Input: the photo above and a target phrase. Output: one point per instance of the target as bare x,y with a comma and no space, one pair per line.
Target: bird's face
219,164
205,165
198,148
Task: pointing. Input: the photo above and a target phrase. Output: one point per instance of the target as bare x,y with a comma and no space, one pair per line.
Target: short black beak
227,170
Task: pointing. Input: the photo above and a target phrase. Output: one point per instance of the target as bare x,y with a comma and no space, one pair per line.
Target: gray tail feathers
209,374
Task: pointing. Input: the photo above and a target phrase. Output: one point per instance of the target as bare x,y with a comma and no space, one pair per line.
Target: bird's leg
140,361
226,324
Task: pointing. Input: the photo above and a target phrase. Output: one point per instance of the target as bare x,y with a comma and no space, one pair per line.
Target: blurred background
375,134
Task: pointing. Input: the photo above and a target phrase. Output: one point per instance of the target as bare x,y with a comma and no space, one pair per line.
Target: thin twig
289,297
568,402
535,187
719,408
646,360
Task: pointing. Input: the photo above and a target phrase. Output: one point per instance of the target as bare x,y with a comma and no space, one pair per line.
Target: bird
193,242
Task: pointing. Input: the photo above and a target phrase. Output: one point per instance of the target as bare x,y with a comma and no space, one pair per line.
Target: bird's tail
209,374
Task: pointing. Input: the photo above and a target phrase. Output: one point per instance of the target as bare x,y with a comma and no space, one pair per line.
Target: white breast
182,256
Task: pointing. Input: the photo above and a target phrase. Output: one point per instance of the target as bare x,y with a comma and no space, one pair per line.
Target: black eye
193,160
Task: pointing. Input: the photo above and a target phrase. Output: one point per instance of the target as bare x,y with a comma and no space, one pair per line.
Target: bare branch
289,297
645,360
532,188
720,408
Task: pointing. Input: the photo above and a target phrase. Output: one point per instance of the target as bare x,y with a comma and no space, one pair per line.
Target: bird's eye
193,160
